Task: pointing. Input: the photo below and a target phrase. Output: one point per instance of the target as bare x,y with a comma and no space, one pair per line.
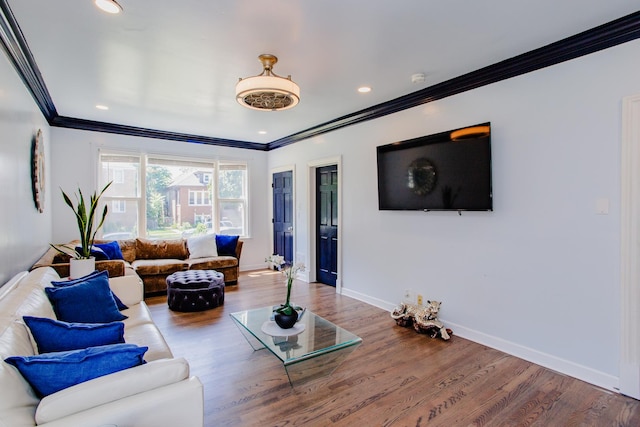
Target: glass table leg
319,366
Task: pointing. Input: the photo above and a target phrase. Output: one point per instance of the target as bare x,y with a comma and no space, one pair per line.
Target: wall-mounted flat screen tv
445,171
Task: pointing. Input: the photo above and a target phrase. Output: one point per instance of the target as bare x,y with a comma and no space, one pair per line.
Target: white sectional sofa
160,392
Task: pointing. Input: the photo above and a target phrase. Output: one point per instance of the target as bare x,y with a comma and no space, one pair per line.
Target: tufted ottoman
195,290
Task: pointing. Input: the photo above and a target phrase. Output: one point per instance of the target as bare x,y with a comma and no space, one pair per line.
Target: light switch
602,206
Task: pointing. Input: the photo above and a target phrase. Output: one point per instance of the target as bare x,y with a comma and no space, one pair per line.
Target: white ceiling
173,65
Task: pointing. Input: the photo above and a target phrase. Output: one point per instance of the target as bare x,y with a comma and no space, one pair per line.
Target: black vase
286,321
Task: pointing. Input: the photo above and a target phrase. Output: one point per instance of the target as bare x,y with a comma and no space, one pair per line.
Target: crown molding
602,37
95,126
18,53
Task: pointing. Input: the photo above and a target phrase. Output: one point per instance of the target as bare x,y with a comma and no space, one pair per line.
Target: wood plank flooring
395,378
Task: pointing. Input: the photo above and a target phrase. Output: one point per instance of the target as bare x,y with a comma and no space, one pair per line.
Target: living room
538,277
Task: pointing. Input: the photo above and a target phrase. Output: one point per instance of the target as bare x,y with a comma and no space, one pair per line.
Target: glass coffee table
313,348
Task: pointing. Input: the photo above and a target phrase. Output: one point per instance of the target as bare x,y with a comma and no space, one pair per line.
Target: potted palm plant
82,262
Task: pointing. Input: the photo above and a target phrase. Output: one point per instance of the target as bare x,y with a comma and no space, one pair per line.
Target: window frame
146,160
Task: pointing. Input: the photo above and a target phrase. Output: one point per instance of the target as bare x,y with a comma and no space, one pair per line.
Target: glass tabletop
311,337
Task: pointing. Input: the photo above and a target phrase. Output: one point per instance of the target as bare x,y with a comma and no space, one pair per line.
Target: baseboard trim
566,367
368,299
549,361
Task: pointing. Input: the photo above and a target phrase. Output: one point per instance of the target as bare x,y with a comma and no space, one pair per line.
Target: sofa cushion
61,258
18,402
53,335
112,249
96,273
111,388
52,372
148,334
90,301
202,246
159,249
150,267
28,298
226,244
128,248
212,263
128,288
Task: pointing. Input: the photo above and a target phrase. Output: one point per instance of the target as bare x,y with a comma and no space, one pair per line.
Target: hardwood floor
395,378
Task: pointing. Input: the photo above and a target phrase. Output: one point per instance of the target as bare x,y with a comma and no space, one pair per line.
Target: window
199,198
167,197
118,176
123,196
118,206
232,198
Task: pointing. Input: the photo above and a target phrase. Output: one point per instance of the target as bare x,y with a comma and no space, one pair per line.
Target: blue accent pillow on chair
52,372
119,303
112,249
226,244
53,335
90,301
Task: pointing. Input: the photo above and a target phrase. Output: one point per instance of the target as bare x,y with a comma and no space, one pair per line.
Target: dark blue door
283,214
327,224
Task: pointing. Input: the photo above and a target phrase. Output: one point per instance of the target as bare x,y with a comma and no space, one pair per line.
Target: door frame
272,172
311,209
629,369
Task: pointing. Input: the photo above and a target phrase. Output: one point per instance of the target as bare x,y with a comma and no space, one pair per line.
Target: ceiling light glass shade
109,6
268,91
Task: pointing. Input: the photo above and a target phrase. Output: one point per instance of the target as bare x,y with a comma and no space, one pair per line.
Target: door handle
290,229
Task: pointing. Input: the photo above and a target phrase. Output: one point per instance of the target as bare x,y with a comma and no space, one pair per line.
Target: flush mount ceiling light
267,91
109,6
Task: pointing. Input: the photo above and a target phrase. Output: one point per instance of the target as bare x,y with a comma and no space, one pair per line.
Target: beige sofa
160,392
152,261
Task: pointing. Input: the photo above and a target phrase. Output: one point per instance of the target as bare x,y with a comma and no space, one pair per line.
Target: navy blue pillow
52,372
226,244
96,252
90,301
112,249
59,284
54,335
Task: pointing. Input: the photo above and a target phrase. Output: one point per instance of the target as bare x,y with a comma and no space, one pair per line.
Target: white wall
24,232
538,277
74,161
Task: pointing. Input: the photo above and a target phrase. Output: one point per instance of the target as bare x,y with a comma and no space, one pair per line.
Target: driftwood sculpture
423,319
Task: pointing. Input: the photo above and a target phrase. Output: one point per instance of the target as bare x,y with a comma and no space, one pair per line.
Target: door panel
327,224
283,214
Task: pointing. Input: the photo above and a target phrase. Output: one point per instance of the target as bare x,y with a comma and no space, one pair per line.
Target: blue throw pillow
52,372
112,249
96,252
90,301
54,335
59,284
226,244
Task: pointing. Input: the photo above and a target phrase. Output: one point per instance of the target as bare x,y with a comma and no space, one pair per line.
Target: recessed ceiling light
262,132
109,6
102,107
364,89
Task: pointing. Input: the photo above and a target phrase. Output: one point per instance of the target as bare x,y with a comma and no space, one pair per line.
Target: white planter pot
81,267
